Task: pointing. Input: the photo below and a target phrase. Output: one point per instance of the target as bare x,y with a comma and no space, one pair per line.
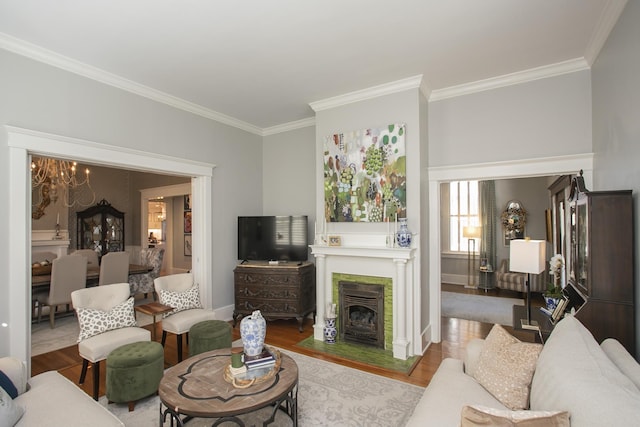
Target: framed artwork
187,245
365,175
335,241
187,221
187,202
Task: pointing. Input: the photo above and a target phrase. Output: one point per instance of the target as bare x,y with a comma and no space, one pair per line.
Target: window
464,210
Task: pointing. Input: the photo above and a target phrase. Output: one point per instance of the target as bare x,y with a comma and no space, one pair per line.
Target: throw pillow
94,322
10,412
7,385
181,300
506,367
476,416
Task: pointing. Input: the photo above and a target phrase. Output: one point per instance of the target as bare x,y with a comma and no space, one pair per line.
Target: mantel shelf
362,251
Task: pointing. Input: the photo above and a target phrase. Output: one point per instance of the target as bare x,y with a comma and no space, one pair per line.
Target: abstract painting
365,175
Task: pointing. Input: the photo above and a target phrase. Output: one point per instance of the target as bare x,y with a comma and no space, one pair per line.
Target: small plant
556,265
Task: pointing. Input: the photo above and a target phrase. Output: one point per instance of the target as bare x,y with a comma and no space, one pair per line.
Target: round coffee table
196,388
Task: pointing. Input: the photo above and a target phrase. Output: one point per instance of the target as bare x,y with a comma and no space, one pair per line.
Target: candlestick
58,218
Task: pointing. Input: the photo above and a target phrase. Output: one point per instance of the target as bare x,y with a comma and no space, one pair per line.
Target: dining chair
106,305
114,268
68,273
38,257
90,254
143,283
179,323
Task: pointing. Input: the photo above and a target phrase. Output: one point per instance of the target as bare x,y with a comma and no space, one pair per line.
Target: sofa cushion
622,359
16,370
477,416
10,412
94,322
448,392
53,400
506,367
181,300
575,375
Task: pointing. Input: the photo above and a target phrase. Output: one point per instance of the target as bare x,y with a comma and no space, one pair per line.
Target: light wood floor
284,334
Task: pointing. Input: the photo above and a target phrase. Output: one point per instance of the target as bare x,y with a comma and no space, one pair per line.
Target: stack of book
262,360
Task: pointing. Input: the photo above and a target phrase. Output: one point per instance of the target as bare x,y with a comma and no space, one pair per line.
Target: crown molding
532,74
369,93
46,56
608,19
286,127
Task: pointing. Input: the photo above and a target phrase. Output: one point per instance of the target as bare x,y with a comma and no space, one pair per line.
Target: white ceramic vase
253,330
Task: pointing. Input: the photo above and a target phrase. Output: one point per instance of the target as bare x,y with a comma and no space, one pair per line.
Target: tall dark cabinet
101,228
601,261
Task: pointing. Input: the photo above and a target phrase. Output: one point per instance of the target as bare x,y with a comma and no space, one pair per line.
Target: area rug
482,308
361,353
328,395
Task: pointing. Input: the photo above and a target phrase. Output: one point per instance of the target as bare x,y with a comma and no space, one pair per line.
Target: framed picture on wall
187,202
187,221
187,245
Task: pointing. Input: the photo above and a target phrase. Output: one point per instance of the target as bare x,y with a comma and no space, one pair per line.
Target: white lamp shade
527,256
471,232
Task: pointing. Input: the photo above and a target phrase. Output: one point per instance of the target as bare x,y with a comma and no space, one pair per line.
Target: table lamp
527,256
471,233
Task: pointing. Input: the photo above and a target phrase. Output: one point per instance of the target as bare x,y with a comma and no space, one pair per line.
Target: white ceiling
258,64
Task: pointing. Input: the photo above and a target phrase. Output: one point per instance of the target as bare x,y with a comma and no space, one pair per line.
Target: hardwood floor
284,334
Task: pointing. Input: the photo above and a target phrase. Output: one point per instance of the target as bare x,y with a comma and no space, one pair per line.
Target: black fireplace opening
361,316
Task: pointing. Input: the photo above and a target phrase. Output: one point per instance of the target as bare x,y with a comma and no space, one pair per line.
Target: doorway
22,144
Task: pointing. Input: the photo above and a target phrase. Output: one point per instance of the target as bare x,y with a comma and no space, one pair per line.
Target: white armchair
181,321
103,299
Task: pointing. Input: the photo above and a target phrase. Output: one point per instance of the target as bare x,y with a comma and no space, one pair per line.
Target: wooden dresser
279,291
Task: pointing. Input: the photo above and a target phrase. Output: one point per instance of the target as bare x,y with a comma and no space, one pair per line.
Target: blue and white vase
330,330
253,330
403,236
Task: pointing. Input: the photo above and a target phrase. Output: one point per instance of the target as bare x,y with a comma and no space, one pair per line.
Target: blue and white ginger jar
403,236
253,330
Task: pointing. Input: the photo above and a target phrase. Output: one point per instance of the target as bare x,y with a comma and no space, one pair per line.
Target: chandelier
53,177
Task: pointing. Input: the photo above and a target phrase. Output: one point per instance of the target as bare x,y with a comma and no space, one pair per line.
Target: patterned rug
481,308
328,395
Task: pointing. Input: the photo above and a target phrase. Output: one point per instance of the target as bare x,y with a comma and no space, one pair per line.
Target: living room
577,117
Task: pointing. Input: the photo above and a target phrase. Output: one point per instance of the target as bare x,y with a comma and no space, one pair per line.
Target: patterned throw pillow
480,416
10,412
180,300
93,321
506,366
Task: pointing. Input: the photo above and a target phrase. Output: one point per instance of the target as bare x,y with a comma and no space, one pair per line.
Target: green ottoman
134,371
209,335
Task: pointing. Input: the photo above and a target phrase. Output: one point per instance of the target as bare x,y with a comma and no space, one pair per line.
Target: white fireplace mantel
396,263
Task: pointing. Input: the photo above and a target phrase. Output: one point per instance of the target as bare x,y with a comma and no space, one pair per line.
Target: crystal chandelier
52,176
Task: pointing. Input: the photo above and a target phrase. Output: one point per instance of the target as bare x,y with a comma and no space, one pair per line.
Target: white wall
616,124
43,98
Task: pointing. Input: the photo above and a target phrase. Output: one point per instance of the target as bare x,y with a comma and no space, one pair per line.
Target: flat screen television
272,238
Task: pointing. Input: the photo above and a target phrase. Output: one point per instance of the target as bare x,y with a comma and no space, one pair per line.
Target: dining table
93,274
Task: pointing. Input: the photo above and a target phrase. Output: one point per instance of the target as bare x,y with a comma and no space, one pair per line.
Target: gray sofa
49,399
599,385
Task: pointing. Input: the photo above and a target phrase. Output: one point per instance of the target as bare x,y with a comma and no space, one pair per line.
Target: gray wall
288,182
616,124
43,98
544,118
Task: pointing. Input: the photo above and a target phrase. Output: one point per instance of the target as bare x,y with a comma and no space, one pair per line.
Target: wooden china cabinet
101,228
600,267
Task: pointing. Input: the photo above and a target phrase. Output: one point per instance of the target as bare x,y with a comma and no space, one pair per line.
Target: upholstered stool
209,335
134,371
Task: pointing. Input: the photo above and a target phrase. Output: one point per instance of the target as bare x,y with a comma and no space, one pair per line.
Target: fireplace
361,316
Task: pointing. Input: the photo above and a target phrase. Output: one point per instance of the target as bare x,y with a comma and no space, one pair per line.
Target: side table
153,309
485,284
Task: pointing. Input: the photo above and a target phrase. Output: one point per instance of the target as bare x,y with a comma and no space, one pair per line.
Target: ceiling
259,64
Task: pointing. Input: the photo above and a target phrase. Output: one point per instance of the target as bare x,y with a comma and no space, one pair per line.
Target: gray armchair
506,279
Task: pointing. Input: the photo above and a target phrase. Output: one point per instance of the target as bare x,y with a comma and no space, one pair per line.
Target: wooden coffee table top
196,387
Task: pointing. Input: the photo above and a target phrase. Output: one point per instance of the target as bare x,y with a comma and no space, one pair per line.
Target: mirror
514,219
